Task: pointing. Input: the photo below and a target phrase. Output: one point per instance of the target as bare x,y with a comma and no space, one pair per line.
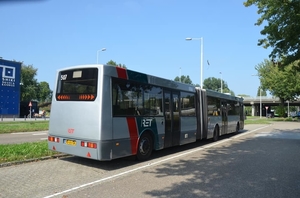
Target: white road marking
39,134
242,134
34,132
280,135
152,164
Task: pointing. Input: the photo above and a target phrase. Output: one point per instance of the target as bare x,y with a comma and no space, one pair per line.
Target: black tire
216,134
145,147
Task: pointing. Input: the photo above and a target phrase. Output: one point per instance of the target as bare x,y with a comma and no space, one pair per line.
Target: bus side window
116,110
130,111
137,111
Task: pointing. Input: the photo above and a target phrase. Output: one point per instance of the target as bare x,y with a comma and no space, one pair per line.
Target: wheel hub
144,146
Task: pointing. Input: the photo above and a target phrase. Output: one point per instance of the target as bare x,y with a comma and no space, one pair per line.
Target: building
10,72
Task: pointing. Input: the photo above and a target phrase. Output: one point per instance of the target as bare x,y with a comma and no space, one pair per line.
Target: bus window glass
175,106
136,99
187,102
233,108
76,82
213,106
72,83
152,100
237,108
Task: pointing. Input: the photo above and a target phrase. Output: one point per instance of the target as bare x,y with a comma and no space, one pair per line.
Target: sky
147,36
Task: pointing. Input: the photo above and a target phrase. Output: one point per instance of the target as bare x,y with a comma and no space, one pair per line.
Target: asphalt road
262,161
21,137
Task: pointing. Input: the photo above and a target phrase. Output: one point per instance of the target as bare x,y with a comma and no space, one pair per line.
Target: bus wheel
145,147
216,134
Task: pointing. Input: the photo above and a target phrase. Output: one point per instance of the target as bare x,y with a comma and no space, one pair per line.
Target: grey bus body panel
117,136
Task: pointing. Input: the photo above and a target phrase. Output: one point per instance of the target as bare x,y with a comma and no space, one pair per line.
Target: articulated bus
105,112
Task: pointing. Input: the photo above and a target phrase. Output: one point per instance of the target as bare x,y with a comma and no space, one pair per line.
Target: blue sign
10,72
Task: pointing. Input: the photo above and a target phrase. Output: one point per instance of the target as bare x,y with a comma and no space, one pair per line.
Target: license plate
71,142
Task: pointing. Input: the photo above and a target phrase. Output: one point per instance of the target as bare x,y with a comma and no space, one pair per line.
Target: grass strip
264,120
23,126
24,151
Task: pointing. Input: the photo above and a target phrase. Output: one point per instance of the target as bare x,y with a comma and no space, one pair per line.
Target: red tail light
53,139
88,144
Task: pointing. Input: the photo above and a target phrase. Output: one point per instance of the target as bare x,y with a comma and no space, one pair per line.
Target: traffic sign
30,105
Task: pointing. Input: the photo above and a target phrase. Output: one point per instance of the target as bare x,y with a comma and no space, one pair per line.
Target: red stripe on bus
133,132
121,72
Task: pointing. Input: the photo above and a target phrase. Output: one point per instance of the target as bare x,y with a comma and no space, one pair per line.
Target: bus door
172,119
224,117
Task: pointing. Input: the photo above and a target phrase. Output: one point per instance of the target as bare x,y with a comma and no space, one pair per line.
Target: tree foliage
215,84
184,79
282,31
281,82
29,84
31,89
44,93
113,63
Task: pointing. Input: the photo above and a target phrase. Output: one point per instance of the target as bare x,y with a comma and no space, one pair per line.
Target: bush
281,111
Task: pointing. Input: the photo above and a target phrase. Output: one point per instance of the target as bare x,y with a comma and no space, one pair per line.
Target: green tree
31,89
184,79
111,62
226,90
44,93
282,28
215,84
282,82
29,84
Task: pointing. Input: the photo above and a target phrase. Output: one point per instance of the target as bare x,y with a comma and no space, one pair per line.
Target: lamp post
180,74
260,105
103,49
201,58
221,83
288,108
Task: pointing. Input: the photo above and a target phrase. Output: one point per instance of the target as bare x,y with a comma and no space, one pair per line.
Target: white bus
104,112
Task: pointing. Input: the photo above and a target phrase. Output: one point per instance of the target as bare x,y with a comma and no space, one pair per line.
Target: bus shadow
131,160
238,170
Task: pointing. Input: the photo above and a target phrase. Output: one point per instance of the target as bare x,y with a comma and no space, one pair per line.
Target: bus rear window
75,85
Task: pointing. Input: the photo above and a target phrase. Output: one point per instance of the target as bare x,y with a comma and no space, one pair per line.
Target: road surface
261,162
21,137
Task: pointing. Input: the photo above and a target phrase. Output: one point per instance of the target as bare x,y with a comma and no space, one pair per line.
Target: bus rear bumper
76,150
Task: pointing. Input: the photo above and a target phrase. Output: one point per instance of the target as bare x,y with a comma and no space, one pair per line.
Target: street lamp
260,106
103,49
221,83
180,74
201,58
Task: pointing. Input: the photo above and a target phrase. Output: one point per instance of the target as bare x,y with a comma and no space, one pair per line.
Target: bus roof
222,95
119,72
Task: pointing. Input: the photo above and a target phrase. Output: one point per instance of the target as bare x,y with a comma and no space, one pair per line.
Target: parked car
295,114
